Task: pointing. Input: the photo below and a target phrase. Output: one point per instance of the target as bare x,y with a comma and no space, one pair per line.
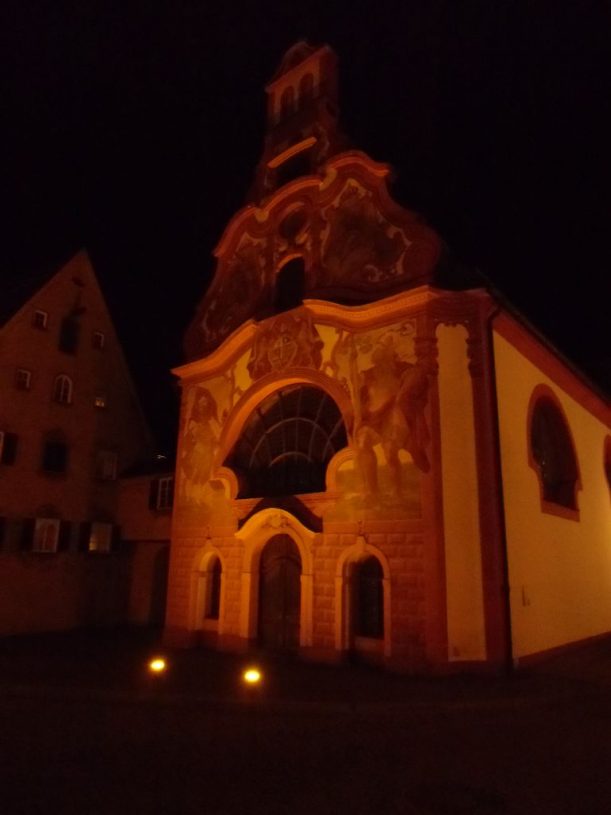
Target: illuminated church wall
338,434
367,501
462,534
559,558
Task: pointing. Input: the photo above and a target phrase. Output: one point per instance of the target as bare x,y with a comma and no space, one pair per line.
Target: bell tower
302,113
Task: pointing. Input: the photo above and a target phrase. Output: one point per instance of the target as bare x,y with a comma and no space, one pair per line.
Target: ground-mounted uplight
157,665
252,676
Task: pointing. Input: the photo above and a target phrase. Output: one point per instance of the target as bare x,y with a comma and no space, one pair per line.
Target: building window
287,443
69,332
100,537
46,535
23,379
106,465
162,493
62,390
8,447
552,454
55,457
40,319
290,286
213,592
369,599
98,340
99,400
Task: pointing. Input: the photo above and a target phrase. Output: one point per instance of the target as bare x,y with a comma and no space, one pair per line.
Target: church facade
370,464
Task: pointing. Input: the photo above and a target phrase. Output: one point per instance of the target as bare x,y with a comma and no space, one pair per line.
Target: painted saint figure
390,406
200,442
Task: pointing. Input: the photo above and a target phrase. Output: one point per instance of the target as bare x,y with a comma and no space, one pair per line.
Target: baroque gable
357,246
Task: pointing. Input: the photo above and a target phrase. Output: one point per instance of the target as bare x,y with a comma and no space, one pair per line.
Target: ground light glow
252,676
157,665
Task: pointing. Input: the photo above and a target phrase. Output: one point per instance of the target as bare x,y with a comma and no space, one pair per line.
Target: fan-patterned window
287,443
552,452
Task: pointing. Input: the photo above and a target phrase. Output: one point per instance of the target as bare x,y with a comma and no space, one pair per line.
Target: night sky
134,128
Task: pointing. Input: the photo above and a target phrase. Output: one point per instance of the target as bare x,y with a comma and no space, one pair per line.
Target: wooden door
279,594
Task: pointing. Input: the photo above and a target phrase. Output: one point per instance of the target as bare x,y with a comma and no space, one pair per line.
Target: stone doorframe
255,534
343,600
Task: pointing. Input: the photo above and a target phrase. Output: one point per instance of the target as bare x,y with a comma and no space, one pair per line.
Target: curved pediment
356,244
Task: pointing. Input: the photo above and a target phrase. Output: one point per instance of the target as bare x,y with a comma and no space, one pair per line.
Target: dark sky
134,128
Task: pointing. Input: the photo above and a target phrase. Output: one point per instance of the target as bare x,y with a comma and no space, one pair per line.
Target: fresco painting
387,429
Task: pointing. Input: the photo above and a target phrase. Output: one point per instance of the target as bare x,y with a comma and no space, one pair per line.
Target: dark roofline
521,318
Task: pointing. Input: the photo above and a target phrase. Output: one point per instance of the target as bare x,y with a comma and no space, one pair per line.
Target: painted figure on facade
200,443
359,249
389,410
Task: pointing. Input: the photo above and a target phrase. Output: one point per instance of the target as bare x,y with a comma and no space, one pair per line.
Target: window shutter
83,536
63,541
116,539
9,448
153,493
27,534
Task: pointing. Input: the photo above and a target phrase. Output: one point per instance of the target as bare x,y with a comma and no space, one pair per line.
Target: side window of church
552,451
8,447
69,331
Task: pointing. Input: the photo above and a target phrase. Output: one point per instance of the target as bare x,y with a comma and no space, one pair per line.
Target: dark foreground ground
84,729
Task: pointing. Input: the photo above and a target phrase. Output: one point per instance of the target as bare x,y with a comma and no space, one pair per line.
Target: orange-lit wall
65,589
146,535
559,568
466,635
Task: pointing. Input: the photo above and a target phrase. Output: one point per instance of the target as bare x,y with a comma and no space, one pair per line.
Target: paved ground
84,729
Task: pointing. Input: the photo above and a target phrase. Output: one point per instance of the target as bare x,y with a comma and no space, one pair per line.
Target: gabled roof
19,289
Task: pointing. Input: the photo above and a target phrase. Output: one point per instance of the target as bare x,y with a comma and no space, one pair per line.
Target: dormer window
62,390
23,379
40,319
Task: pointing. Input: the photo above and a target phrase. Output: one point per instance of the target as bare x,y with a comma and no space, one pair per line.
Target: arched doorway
368,599
279,594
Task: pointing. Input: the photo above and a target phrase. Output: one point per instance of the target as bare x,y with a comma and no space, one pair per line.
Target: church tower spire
302,112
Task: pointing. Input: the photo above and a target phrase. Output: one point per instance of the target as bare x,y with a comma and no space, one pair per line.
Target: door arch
362,600
279,594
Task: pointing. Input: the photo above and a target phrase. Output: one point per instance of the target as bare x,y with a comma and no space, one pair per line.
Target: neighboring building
70,423
146,497
371,461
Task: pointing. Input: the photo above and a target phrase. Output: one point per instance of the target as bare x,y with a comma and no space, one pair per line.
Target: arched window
306,89
290,286
62,390
287,442
287,102
368,599
213,590
552,452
